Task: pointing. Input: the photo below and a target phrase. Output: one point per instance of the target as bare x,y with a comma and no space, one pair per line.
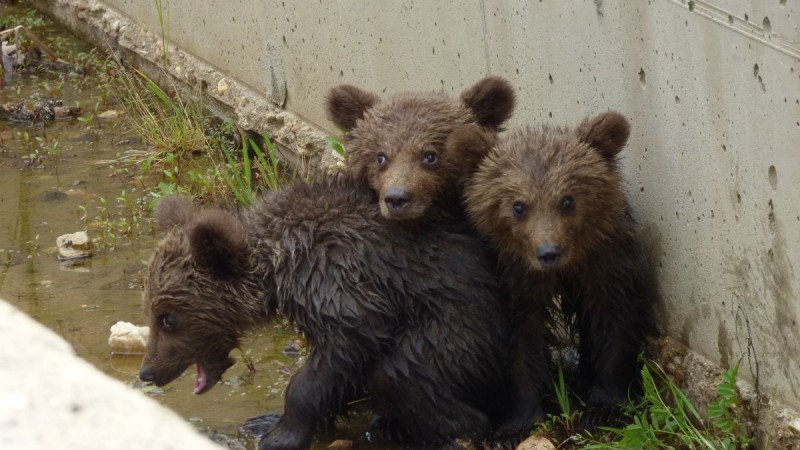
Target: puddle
53,180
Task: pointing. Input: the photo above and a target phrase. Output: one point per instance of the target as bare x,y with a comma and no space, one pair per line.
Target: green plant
667,419
164,190
568,417
726,414
164,30
337,146
169,126
87,120
564,425
240,178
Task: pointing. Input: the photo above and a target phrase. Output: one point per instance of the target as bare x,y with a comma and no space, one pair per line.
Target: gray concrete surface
52,399
712,89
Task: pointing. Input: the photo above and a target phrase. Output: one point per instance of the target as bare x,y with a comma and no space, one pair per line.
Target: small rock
222,87
341,443
110,114
128,339
795,426
61,111
74,246
53,196
536,443
293,348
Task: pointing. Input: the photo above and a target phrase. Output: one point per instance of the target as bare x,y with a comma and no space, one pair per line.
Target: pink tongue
200,381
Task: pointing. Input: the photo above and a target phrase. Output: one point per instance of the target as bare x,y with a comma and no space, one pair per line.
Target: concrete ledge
50,398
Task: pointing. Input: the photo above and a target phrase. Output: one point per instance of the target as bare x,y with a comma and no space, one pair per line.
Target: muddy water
49,189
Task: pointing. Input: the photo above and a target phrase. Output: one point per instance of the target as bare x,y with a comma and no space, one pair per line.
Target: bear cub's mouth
201,380
208,374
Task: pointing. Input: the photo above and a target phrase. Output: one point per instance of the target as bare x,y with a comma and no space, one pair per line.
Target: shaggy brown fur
414,318
400,146
553,203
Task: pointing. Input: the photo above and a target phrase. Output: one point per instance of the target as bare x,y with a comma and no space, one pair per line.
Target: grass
663,419
164,23
266,169
188,152
168,125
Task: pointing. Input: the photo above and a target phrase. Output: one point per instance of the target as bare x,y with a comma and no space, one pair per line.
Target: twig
29,34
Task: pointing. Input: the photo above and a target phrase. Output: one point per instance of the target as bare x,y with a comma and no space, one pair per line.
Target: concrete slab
50,398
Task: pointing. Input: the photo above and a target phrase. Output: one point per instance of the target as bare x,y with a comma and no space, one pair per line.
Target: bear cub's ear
471,143
491,101
173,211
219,243
345,104
607,132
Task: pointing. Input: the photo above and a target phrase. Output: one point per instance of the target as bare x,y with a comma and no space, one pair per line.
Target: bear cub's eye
167,321
567,203
430,159
520,209
382,159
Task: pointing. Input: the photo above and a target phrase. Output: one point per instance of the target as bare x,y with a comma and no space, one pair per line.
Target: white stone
795,426
222,86
128,339
110,114
536,443
74,246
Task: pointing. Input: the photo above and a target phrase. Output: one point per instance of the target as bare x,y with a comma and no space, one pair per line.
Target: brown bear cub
411,319
399,145
552,201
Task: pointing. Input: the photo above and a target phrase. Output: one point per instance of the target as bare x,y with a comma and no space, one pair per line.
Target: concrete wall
712,89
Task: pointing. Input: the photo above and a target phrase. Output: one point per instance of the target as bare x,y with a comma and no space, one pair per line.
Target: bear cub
552,202
399,145
411,319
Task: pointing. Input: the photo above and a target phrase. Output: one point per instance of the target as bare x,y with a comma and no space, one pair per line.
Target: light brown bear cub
399,145
553,203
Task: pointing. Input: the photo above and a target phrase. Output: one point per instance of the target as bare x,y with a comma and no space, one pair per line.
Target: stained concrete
712,89
50,398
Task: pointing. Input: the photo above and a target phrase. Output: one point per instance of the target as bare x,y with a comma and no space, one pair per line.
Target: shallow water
41,195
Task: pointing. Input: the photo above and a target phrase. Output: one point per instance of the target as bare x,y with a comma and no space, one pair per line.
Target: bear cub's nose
397,199
147,374
548,254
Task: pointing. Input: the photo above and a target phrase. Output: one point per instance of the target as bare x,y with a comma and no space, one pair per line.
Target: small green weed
666,419
337,146
240,178
165,24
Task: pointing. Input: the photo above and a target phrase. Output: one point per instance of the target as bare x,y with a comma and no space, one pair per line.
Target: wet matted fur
400,144
411,316
553,203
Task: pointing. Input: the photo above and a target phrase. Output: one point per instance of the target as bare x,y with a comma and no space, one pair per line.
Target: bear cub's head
195,294
399,145
551,197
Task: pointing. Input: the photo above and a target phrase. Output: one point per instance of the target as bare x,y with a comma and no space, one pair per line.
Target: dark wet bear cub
411,318
399,145
553,203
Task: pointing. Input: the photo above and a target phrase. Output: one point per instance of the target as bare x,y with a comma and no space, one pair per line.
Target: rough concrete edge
302,144
307,149
777,426
51,398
